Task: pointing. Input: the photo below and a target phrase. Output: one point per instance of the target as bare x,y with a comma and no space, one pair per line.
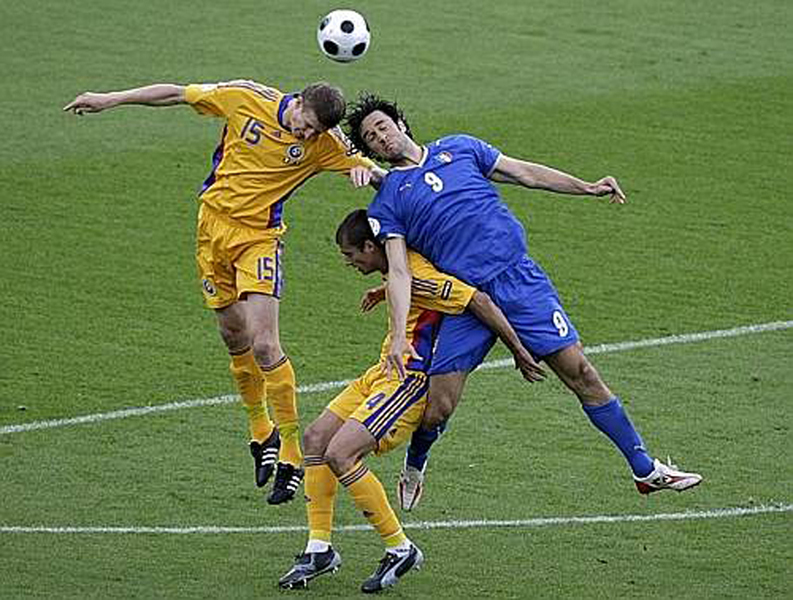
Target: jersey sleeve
338,154
484,154
215,99
384,217
433,290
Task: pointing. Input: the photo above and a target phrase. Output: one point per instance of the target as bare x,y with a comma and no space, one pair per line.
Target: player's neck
288,112
412,156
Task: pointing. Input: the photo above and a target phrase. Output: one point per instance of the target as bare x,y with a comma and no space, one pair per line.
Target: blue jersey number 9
560,323
432,180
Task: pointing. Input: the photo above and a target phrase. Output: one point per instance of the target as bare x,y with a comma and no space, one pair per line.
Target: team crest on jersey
208,287
294,154
445,157
375,225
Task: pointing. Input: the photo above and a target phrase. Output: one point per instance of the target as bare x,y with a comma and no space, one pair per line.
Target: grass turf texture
100,309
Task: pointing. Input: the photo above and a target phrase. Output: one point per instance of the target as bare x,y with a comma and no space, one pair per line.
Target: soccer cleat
308,566
666,477
410,487
287,480
393,566
264,456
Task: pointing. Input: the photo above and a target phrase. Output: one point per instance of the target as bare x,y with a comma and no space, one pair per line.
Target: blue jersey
449,211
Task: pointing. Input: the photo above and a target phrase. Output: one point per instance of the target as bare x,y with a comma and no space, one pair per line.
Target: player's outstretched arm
486,311
398,295
537,176
159,94
265,91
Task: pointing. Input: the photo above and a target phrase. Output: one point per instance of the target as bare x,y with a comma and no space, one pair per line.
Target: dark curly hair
366,104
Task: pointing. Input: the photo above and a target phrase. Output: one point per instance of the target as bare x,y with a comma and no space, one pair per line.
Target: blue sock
612,420
420,443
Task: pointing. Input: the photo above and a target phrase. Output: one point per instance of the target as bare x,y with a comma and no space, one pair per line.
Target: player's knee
235,337
437,412
314,440
340,462
588,385
267,350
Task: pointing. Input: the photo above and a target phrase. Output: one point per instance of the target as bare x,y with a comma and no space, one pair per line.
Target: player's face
367,259
304,123
383,136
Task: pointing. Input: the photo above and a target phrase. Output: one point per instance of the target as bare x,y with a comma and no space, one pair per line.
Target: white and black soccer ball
343,35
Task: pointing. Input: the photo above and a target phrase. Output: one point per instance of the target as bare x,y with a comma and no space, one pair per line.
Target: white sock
403,548
316,546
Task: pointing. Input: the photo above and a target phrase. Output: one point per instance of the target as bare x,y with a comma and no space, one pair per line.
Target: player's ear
402,127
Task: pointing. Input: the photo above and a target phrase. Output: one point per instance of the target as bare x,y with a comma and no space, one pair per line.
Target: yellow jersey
259,163
432,294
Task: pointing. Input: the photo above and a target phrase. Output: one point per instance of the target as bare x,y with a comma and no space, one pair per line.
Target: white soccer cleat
410,487
666,477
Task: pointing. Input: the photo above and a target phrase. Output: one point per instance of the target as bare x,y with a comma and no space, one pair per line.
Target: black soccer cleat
308,566
287,480
264,456
393,566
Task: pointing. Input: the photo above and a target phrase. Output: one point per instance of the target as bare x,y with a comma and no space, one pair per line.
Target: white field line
721,513
331,385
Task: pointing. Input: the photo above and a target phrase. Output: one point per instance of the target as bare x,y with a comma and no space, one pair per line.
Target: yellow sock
369,496
320,490
280,391
250,384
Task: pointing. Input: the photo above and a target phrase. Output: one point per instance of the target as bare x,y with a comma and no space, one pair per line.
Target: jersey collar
424,153
282,108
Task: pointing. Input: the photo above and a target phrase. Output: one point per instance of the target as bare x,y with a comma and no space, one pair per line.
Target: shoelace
386,562
411,476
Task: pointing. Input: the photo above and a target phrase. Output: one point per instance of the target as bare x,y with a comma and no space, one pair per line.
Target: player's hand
89,102
378,175
608,186
394,360
372,298
528,367
360,176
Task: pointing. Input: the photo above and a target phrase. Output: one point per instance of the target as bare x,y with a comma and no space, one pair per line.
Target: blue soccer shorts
530,302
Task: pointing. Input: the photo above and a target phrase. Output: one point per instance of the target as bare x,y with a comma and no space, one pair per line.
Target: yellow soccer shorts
234,260
390,410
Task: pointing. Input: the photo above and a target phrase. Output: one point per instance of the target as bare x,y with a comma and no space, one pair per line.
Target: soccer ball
343,35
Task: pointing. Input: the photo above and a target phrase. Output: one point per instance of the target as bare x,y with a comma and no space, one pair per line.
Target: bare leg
579,375
444,394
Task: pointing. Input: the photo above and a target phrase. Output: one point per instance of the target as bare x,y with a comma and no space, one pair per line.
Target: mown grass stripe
719,513
331,385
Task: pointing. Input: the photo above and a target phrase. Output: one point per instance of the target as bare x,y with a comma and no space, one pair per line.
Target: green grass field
687,103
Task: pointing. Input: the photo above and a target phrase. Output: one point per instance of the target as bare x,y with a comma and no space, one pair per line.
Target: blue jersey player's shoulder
384,211
484,154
